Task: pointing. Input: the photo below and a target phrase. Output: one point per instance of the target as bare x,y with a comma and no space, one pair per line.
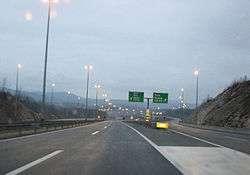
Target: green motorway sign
160,97
134,96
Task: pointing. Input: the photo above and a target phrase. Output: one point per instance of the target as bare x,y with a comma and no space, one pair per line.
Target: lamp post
182,103
88,68
97,87
68,95
105,100
46,51
182,98
50,14
68,102
196,73
78,101
52,93
19,66
96,96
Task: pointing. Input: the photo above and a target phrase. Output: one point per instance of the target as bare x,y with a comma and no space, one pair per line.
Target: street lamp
182,98
46,51
78,101
68,95
88,68
52,93
104,95
19,66
97,87
28,16
68,103
196,73
50,14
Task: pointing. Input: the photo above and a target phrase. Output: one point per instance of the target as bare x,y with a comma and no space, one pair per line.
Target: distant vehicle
148,117
159,122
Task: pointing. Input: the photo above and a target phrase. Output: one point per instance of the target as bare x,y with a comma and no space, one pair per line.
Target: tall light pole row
181,98
196,73
88,68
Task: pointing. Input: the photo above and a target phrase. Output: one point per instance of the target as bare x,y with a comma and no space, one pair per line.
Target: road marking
207,160
234,138
94,133
31,164
175,163
50,132
193,137
203,160
203,140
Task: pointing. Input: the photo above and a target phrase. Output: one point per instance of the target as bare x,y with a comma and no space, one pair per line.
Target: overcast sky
145,45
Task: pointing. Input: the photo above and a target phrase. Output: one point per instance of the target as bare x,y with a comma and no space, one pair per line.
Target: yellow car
159,122
162,125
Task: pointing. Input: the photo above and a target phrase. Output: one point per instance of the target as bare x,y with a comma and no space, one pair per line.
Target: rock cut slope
231,108
12,112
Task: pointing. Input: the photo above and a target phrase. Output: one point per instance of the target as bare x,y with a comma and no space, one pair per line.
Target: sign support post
147,98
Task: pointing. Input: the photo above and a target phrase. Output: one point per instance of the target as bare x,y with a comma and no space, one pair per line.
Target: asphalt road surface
114,147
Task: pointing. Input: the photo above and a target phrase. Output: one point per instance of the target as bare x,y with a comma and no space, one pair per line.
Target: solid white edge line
49,132
193,137
31,164
176,164
211,143
205,141
235,138
94,133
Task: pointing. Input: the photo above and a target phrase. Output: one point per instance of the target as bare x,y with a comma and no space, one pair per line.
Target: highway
115,147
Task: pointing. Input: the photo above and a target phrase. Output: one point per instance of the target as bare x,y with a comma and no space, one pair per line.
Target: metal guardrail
27,128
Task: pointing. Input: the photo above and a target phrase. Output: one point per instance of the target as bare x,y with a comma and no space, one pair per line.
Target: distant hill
63,99
170,105
26,108
231,108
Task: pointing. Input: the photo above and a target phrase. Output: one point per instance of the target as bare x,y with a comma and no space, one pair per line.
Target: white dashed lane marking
31,164
96,132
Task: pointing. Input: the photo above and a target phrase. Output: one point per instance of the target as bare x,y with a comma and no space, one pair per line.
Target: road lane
36,162
15,153
195,158
237,142
168,137
114,150
112,147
